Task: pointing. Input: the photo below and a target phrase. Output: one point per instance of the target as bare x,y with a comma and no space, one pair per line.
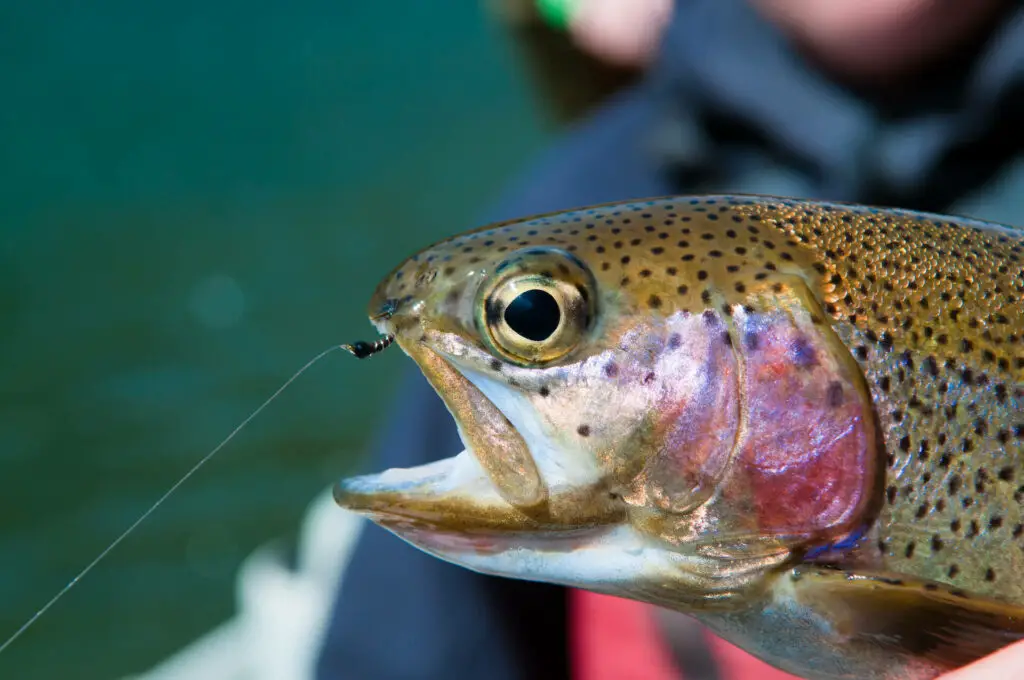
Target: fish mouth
447,507
488,500
451,510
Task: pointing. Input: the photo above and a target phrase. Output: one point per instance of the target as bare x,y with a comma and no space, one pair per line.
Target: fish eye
537,306
534,314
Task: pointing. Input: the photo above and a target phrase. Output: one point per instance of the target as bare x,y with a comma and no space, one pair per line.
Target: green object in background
557,13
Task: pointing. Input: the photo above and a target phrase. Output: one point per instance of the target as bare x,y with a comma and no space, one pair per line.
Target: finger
1006,663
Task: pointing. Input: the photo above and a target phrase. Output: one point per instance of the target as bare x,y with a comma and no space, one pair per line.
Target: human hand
866,37
876,38
621,32
1002,665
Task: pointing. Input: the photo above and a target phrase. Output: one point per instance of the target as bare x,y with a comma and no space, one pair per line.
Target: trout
799,422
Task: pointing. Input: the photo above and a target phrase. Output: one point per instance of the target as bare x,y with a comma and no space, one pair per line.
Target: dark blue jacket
727,107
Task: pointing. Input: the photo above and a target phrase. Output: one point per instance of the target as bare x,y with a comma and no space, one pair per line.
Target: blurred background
195,199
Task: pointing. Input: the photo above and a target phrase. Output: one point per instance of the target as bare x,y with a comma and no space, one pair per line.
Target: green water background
196,198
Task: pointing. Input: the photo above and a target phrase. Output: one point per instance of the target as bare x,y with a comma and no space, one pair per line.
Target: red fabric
735,663
618,639
615,639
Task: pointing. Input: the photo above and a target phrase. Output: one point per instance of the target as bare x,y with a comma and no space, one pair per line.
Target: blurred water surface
195,199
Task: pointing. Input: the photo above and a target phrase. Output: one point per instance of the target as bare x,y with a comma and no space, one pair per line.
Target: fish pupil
534,314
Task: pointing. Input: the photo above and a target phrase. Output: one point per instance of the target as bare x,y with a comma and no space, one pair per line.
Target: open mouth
452,494
450,507
546,517
490,489
492,496
451,510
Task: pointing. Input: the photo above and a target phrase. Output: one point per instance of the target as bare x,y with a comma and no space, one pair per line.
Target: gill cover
776,438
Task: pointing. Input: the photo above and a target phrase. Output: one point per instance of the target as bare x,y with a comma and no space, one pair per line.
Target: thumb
1002,665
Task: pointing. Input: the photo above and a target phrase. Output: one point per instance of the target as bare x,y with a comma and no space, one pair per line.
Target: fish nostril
386,310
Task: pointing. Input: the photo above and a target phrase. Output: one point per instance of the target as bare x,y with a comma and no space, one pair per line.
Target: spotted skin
856,384
932,310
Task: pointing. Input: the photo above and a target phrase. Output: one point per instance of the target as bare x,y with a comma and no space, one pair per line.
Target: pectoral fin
901,617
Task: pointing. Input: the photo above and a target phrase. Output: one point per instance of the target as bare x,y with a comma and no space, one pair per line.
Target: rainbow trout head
638,417
669,401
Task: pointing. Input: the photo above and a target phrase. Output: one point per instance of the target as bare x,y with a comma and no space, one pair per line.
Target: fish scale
932,311
925,309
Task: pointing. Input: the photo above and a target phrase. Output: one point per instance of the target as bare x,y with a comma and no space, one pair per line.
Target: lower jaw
446,544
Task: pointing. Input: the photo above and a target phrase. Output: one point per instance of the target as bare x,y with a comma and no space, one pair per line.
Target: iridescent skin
799,422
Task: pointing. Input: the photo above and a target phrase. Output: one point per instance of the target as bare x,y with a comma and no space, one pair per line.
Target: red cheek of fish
808,455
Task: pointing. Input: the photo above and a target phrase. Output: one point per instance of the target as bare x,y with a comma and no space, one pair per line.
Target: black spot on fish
583,430
835,394
804,355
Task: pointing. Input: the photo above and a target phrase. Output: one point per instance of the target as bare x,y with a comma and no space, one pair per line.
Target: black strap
688,643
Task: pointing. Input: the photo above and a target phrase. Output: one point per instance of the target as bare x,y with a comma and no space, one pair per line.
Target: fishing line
63,591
